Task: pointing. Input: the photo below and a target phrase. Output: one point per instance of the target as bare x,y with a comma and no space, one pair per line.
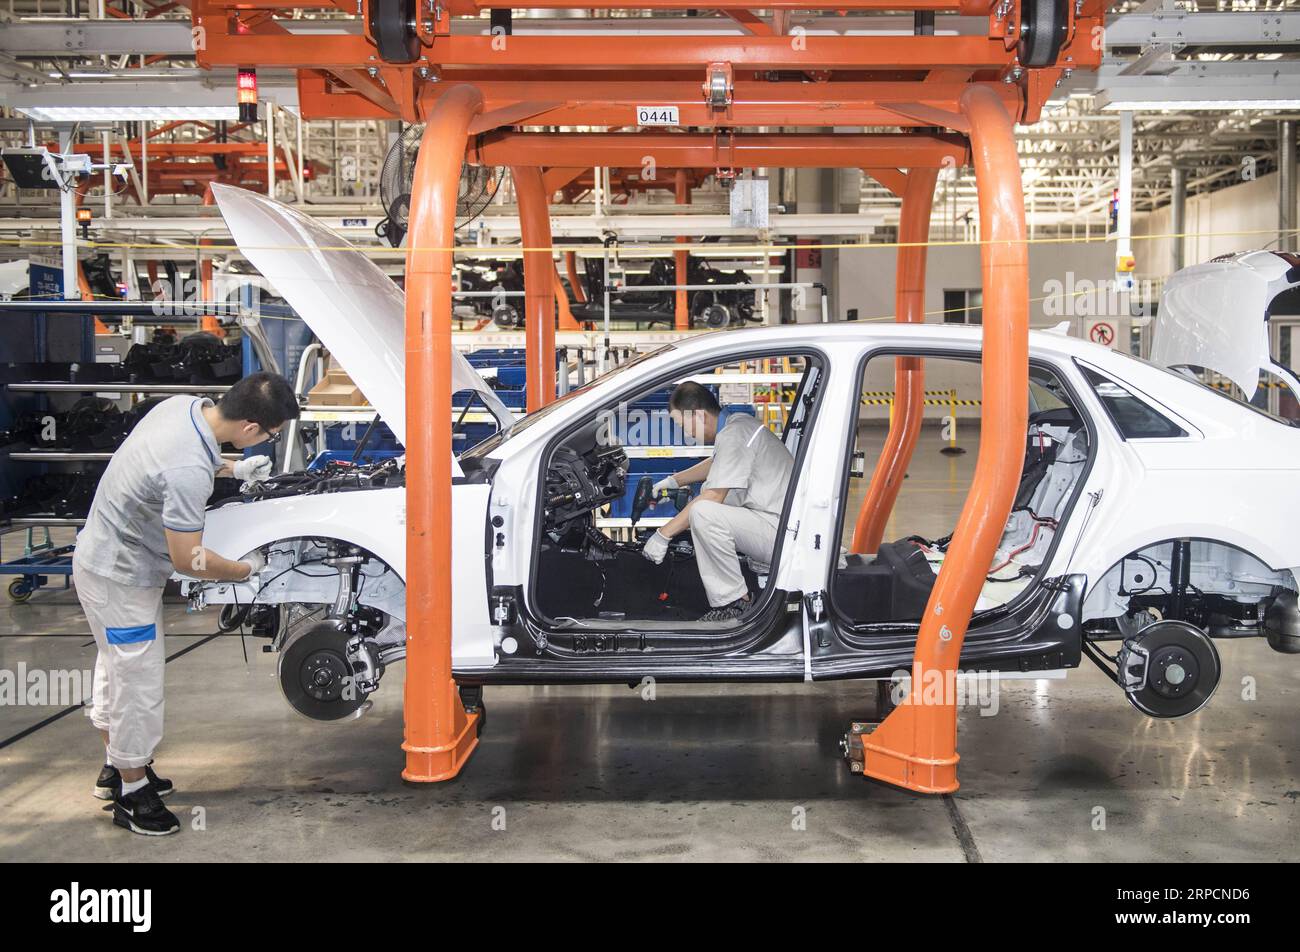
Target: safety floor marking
28,731
965,838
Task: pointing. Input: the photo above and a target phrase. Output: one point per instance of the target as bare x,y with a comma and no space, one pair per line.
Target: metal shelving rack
41,556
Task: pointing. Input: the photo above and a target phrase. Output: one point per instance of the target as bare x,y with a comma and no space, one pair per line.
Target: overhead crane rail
574,73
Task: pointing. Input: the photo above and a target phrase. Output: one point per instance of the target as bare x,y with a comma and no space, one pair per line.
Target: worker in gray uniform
738,509
146,521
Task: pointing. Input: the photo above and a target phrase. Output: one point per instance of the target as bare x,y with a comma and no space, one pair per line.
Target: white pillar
144,158
108,175
68,227
270,148
1124,224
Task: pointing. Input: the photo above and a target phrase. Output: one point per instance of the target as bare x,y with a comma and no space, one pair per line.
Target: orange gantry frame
952,89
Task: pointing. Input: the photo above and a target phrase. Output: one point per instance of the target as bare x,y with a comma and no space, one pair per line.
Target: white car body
1228,482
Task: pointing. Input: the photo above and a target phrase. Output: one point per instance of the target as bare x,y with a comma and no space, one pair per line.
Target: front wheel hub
316,677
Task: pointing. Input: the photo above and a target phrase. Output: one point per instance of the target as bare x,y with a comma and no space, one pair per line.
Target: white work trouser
127,623
719,532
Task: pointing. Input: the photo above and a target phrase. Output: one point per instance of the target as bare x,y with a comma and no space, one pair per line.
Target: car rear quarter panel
1235,480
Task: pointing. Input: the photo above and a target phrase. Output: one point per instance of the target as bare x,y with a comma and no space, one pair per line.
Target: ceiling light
126,113
1182,105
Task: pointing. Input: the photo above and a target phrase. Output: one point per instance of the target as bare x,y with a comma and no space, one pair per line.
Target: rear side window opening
1133,418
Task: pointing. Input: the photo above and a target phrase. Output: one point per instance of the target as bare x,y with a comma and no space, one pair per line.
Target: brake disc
316,677
1169,669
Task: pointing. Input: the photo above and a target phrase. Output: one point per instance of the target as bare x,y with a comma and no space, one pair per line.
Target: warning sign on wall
1101,331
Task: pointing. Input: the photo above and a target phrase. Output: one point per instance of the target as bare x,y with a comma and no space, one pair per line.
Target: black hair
262,398
689,396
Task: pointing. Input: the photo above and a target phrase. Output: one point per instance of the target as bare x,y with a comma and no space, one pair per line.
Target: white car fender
374,520
365,519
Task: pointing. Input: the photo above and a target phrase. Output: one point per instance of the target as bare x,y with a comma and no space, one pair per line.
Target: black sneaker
142,811
727,612
110,782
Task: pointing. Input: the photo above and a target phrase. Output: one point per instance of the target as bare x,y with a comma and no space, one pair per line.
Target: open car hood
355,309
1215,315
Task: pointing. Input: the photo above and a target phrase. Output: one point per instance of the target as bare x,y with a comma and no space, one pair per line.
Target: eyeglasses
271,438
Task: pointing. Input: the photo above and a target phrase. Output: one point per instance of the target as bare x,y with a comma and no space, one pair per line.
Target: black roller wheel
1043,28
20,590
392,24
316,677
1169,669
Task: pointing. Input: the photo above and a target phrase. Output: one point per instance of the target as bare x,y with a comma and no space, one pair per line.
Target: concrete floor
727,772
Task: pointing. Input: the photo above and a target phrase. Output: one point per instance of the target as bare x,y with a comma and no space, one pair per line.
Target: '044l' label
657,116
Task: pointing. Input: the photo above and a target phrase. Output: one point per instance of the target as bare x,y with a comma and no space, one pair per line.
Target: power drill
644,497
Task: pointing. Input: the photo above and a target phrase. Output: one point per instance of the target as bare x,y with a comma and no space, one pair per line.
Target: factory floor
1064,770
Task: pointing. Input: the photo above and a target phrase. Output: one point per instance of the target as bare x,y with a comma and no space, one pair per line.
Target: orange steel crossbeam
507,96
738,150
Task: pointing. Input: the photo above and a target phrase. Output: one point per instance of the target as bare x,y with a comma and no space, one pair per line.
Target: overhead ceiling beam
1245,28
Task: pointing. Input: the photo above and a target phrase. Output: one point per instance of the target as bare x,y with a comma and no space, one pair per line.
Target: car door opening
892,585
610,494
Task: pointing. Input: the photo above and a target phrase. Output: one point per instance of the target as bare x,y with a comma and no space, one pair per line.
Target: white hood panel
355,309
1214,315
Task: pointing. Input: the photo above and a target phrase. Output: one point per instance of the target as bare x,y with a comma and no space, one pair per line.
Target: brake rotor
1169,669
716,316
316,677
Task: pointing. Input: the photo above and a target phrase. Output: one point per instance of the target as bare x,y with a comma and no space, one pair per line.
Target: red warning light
246,93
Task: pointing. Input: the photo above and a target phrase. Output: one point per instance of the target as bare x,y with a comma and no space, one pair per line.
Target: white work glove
656,547
255,562
252,469
665,484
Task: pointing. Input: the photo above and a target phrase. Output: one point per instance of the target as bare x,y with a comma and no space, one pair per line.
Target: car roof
1041,341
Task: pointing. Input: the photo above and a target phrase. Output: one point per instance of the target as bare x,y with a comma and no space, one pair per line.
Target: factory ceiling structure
1162,62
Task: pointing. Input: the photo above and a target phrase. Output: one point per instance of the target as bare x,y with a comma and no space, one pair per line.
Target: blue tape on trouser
132,635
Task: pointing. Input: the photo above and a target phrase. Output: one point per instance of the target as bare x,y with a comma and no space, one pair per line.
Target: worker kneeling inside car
738,510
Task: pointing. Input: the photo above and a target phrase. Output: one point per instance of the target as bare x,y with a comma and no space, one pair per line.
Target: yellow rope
473,251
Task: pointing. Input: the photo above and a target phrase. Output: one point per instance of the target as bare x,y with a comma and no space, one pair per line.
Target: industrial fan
478,185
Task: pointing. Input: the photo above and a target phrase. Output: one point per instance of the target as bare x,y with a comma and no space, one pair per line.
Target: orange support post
208,322
571,266
567,321
539,272
909,372
439,734
88,295
681,260
916,745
